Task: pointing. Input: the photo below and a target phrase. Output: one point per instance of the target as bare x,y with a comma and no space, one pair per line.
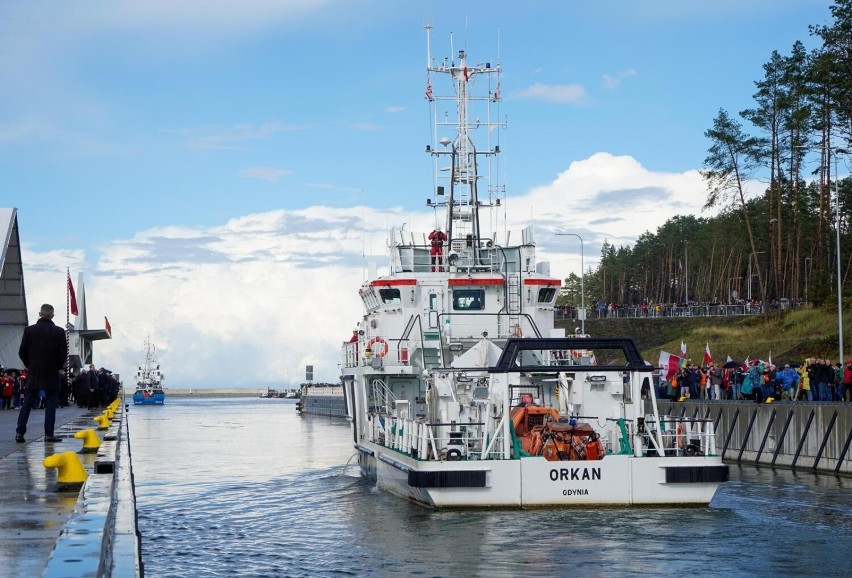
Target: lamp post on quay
839,284
750,255
582,313
730,294
834,152
807,271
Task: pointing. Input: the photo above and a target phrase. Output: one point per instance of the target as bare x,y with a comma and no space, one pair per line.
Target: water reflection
249,488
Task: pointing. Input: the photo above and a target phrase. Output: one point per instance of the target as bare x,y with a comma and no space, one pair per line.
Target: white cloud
395,109
566,93
252,301
265,173
238,136
613,81
366,126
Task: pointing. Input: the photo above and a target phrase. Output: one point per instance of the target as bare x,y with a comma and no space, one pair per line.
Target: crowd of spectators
91,388
814,380
602,310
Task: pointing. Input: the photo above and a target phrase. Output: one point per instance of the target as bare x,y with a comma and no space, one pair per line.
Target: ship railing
382,399
415,256
681,436
436,442
387,352
461,325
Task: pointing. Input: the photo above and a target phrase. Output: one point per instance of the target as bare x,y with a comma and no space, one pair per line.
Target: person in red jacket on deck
437,238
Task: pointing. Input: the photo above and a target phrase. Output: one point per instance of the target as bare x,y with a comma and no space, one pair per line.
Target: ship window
469,299
546,294
390,296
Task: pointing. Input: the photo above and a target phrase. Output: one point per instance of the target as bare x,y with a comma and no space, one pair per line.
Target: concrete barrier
800,435
101,537
204,392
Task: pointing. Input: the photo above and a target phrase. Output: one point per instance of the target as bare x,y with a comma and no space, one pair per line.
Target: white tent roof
13,298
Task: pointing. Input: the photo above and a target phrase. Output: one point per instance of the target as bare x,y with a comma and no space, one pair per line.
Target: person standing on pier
43,350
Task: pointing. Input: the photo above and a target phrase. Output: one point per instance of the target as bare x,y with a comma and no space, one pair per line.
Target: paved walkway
32,508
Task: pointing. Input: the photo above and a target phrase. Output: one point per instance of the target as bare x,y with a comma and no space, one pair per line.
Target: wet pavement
34,508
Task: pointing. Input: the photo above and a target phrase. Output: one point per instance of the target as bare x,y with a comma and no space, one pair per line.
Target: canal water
247,487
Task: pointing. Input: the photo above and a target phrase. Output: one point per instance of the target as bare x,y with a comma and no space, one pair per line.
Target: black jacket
44,351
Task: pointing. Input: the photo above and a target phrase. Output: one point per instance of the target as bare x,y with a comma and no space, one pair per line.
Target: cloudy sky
222,172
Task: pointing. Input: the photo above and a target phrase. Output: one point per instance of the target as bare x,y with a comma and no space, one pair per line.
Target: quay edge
806,436
101,537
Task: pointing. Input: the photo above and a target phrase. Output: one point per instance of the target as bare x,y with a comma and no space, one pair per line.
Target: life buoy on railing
374,341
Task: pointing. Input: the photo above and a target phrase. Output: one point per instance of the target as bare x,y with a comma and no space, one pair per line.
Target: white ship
460,390
149,379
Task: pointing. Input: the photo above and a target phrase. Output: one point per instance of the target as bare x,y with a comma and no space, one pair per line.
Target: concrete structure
13,298
798,435
205,392
53,531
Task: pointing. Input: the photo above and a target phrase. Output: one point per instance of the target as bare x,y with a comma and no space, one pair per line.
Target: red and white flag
107,326
429,89
669,364
72,296
708,359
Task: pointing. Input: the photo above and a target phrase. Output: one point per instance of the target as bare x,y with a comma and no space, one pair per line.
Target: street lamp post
750,256
730,294
807,271
839,284
834,151
686,273
582,313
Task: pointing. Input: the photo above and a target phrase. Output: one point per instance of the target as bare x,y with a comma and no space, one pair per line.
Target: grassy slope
798,334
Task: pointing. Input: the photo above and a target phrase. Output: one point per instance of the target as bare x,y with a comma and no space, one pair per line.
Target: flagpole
67,325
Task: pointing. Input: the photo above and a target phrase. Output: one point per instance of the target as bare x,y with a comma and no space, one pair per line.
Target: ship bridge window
469,299
546,294
390,296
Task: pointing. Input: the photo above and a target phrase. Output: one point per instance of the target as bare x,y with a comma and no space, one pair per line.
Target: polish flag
107,326
708,359
669,363
73,296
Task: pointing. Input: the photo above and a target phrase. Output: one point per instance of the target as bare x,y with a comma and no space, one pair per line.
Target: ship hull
615,480
152,399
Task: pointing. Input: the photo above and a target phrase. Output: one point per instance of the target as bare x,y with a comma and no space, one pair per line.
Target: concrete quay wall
798,435
207,392
101,537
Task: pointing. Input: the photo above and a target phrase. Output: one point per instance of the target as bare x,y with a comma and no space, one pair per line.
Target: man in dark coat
44,351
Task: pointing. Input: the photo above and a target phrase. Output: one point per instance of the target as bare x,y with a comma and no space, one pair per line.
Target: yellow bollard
102,421
71,470
91,441
108,413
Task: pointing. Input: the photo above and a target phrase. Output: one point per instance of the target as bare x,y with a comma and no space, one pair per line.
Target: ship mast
462,178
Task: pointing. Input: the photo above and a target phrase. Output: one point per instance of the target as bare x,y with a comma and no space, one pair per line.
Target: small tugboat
149,380
460,389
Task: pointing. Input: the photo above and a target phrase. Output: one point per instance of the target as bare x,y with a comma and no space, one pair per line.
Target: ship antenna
428,28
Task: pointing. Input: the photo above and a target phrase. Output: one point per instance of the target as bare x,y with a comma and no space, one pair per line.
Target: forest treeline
781,243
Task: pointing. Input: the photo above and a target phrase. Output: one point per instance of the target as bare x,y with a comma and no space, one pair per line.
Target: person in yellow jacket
804,392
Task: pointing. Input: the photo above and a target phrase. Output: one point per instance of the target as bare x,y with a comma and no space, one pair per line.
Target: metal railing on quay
651,312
